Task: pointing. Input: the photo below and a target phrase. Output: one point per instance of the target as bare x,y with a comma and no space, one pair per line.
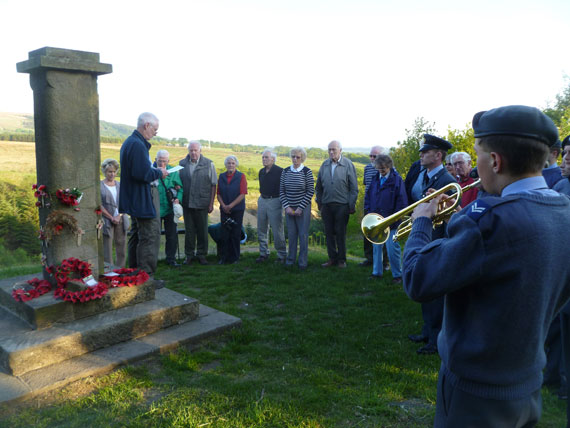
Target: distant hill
24,123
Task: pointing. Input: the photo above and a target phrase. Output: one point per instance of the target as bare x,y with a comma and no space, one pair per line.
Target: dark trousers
171,237
335,218
432,314
196,232
457,408
231,236
144,239
565,334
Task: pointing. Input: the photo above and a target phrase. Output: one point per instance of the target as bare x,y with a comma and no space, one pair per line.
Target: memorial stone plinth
66,116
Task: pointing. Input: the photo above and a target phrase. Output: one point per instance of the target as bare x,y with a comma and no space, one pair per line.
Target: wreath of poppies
35,288
127,277
73,269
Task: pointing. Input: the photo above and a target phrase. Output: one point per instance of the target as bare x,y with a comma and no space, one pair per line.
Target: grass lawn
320,348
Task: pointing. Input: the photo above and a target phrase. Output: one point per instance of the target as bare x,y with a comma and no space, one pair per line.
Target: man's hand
298,212
289,211
211,208
427,209
352,211
164,172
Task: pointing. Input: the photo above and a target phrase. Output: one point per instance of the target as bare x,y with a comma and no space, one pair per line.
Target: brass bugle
377,228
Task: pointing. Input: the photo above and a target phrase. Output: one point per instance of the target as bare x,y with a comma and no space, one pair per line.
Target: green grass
320,348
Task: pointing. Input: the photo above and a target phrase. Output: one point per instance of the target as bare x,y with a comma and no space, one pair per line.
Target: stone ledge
45,311
211,322
33,349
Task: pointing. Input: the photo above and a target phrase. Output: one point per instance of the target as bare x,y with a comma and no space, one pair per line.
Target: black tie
426,178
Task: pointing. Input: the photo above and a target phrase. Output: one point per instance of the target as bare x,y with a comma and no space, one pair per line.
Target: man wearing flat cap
503,272
432,175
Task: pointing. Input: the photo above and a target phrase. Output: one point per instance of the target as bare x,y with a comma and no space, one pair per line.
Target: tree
462,141
559,113
407,152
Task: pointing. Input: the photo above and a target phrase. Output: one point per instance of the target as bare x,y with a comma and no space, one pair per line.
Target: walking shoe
428,349
173,264
188,261
417,338
365,263
261,259
376,277
328,263
202,260
396,280
342,264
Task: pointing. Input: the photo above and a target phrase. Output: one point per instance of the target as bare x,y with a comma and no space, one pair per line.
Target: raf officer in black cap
552,172
432,175
503,272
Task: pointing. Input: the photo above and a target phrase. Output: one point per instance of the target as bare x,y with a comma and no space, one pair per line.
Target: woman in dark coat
232,188
386,195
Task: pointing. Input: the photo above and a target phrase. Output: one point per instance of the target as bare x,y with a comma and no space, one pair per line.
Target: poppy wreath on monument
74,282
58,220
68,197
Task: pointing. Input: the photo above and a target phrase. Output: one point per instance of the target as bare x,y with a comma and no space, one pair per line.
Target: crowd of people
492,280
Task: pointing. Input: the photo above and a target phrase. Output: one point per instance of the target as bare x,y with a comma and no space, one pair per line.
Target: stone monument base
37,360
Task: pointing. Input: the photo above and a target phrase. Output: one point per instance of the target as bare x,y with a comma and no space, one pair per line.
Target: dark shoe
562,393
365,263
429,349
418,338
328,263
261,259
158,284
188,261
342,264
375,277
396,280
173,264
202,260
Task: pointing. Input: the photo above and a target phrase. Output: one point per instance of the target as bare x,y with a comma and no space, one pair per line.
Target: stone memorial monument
46,342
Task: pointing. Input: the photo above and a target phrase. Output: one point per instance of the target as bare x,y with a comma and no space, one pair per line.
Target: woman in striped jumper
296,190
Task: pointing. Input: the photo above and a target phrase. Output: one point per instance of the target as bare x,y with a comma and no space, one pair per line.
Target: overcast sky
298,72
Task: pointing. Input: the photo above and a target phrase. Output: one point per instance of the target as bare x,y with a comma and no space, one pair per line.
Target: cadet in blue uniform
431,175
503,271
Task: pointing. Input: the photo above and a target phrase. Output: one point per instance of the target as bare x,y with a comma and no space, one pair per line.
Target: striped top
369,173
296,188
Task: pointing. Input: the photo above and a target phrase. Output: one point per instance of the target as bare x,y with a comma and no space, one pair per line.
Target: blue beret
566,141
519,121
431,142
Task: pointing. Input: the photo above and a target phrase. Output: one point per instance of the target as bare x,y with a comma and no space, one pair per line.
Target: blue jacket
504,274
136,175
552,175
387,199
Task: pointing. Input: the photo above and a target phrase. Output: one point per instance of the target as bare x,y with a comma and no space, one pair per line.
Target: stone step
23,350
210,322
44,311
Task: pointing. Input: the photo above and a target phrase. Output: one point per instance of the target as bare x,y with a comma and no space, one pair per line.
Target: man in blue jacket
502,269
139,195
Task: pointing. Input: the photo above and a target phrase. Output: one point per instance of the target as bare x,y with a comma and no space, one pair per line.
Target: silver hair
145,118
229,158
271,152
162,153
195,142
337,142
109,162
466,156
299,149
380,149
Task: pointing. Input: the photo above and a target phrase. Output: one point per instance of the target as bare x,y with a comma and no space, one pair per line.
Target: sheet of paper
175,168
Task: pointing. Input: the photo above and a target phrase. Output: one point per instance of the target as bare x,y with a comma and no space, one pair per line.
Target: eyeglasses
372,156
295,157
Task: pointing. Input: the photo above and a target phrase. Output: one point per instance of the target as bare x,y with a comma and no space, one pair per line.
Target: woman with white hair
232,188
115,225
296,190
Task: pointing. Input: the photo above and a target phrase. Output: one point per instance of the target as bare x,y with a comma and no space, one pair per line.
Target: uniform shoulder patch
477,208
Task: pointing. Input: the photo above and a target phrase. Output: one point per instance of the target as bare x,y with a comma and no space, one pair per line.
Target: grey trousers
116,236
196,232
270,213
144,239
298,231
